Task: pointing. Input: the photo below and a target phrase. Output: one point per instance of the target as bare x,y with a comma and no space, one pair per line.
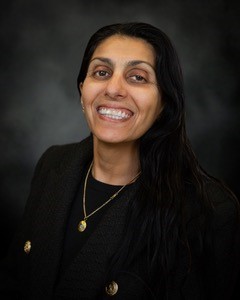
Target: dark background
42,43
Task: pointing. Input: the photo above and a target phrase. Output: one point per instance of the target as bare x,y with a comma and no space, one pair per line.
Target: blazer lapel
49,222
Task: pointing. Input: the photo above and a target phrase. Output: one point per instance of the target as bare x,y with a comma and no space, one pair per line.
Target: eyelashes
101,74
133,76
138,79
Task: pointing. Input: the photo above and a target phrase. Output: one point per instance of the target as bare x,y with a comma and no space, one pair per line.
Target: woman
128,212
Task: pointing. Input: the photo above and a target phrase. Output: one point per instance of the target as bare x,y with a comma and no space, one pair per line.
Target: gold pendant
82,226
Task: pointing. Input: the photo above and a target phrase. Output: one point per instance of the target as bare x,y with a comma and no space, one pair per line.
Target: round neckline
102,186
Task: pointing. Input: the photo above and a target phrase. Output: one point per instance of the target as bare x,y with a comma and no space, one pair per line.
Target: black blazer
34,275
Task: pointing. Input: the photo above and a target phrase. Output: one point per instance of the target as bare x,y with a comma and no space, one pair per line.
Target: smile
114,113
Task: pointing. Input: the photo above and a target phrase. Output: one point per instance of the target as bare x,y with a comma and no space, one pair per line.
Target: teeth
113,113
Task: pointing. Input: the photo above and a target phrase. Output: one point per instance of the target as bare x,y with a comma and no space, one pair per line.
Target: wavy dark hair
157,216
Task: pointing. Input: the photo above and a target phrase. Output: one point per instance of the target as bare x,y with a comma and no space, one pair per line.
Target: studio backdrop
42,44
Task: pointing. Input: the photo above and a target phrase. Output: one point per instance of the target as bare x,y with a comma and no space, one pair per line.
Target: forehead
120,47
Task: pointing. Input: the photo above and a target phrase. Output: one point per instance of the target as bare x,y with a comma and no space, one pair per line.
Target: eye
138,78
101,74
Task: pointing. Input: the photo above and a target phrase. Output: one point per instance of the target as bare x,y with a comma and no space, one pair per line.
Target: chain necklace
83,224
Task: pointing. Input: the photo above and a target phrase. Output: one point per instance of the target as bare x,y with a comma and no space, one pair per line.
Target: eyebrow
130,63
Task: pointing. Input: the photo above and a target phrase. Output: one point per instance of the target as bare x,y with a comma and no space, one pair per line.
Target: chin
110,139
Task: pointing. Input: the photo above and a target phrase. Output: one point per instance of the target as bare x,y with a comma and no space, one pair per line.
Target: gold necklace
83,224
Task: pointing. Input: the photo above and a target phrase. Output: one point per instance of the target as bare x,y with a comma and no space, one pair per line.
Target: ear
81,86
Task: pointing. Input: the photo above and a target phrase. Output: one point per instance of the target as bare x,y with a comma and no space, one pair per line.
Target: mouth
114,113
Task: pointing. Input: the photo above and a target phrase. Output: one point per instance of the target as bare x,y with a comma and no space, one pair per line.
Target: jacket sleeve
224,269
215,267
9,267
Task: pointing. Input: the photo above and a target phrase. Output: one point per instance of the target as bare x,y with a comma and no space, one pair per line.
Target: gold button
27,247
112,288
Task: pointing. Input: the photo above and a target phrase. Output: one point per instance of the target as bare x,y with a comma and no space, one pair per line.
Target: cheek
89,92
151,104
157,103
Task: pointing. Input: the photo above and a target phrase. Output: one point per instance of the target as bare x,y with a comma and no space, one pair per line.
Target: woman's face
120,96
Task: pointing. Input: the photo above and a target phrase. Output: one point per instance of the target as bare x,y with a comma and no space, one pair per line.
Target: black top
97,193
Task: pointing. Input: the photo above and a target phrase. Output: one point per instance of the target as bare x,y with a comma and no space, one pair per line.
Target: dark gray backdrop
42,44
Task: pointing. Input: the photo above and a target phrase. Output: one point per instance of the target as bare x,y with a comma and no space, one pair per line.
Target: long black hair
157,216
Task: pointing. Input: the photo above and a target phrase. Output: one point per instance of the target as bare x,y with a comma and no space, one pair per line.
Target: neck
115,164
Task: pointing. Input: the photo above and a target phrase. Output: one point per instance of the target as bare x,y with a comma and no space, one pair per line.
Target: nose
116,87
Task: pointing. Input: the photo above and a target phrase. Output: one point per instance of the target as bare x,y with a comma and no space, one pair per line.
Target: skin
121,101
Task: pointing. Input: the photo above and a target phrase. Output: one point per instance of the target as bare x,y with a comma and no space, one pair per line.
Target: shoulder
53,153
217,217
63,157
57,154
225,206
219,201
